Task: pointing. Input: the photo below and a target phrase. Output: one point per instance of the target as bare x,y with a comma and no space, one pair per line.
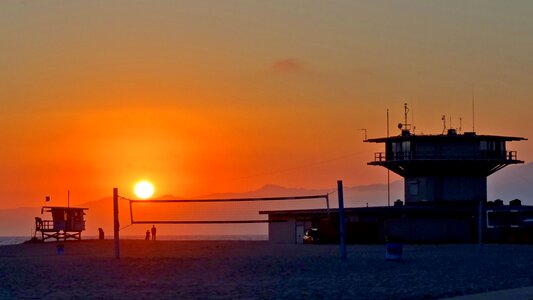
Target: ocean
13,240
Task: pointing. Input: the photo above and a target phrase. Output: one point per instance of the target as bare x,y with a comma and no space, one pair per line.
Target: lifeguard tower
67,223
445,185
449,167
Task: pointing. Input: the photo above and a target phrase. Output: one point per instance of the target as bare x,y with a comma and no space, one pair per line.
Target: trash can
60,249
393,249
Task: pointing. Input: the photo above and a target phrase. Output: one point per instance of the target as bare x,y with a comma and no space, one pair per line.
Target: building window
396,150
483,145
413,188
396,147
487,145
406,146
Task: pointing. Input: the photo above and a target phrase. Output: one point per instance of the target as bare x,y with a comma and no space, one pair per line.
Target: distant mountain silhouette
268,190
17,222
508,184
512,182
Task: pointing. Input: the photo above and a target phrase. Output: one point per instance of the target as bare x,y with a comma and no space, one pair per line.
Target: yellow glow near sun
144,189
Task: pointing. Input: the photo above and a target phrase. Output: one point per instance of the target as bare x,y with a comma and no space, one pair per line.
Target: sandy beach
256,270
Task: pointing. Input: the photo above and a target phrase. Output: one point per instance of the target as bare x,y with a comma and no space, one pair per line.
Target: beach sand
256,270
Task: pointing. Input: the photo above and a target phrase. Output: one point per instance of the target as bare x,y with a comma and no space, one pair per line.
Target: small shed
66,223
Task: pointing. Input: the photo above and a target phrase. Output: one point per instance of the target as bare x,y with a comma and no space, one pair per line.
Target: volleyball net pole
116,224
342,224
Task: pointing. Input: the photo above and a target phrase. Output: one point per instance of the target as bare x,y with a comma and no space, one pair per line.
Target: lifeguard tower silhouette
449,168
67,223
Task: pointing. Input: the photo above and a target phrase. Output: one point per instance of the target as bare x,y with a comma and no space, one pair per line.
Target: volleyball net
220,211
217,211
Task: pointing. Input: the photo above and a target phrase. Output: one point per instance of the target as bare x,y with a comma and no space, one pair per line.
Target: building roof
394,209
440,137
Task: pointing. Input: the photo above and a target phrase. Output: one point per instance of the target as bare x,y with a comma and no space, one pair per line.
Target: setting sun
144,189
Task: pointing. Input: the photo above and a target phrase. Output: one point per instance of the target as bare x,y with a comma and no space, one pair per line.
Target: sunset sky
216,96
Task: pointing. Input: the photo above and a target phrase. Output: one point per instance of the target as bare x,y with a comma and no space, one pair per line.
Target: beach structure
66,223
410,223
177,215
445,190
447,167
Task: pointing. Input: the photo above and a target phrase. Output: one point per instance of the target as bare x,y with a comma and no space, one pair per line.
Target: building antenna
405,112
444,123
388,171
473,111
364,130
413,116
460,124
387,122
405,127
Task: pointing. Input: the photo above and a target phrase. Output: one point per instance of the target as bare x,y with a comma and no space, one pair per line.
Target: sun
144,189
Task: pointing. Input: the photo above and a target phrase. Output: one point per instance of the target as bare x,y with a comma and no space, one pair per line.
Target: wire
125,227
233,199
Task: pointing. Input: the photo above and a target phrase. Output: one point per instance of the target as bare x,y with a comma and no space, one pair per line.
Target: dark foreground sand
256,270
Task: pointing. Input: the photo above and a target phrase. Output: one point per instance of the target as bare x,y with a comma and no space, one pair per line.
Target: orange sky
223,96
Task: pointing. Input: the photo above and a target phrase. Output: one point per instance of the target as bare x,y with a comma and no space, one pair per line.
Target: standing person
100,233
147,237
154,230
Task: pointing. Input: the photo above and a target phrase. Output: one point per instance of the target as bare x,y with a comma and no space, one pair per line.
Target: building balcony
411,155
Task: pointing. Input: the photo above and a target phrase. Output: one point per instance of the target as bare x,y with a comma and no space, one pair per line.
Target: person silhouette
147,237
154,230
100,233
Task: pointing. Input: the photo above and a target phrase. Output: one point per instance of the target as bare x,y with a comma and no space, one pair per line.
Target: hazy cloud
289,65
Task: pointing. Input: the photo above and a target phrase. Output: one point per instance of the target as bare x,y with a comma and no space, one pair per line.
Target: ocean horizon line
14,240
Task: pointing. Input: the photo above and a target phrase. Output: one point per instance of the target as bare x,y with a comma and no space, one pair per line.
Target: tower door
299,233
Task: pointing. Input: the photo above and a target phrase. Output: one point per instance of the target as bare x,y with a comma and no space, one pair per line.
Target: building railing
380,156
512,155
403,156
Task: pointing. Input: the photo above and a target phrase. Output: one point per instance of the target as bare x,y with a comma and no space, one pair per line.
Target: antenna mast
388,171
387,122
364,130
413,116
473,111
405,127
406,110
444,123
